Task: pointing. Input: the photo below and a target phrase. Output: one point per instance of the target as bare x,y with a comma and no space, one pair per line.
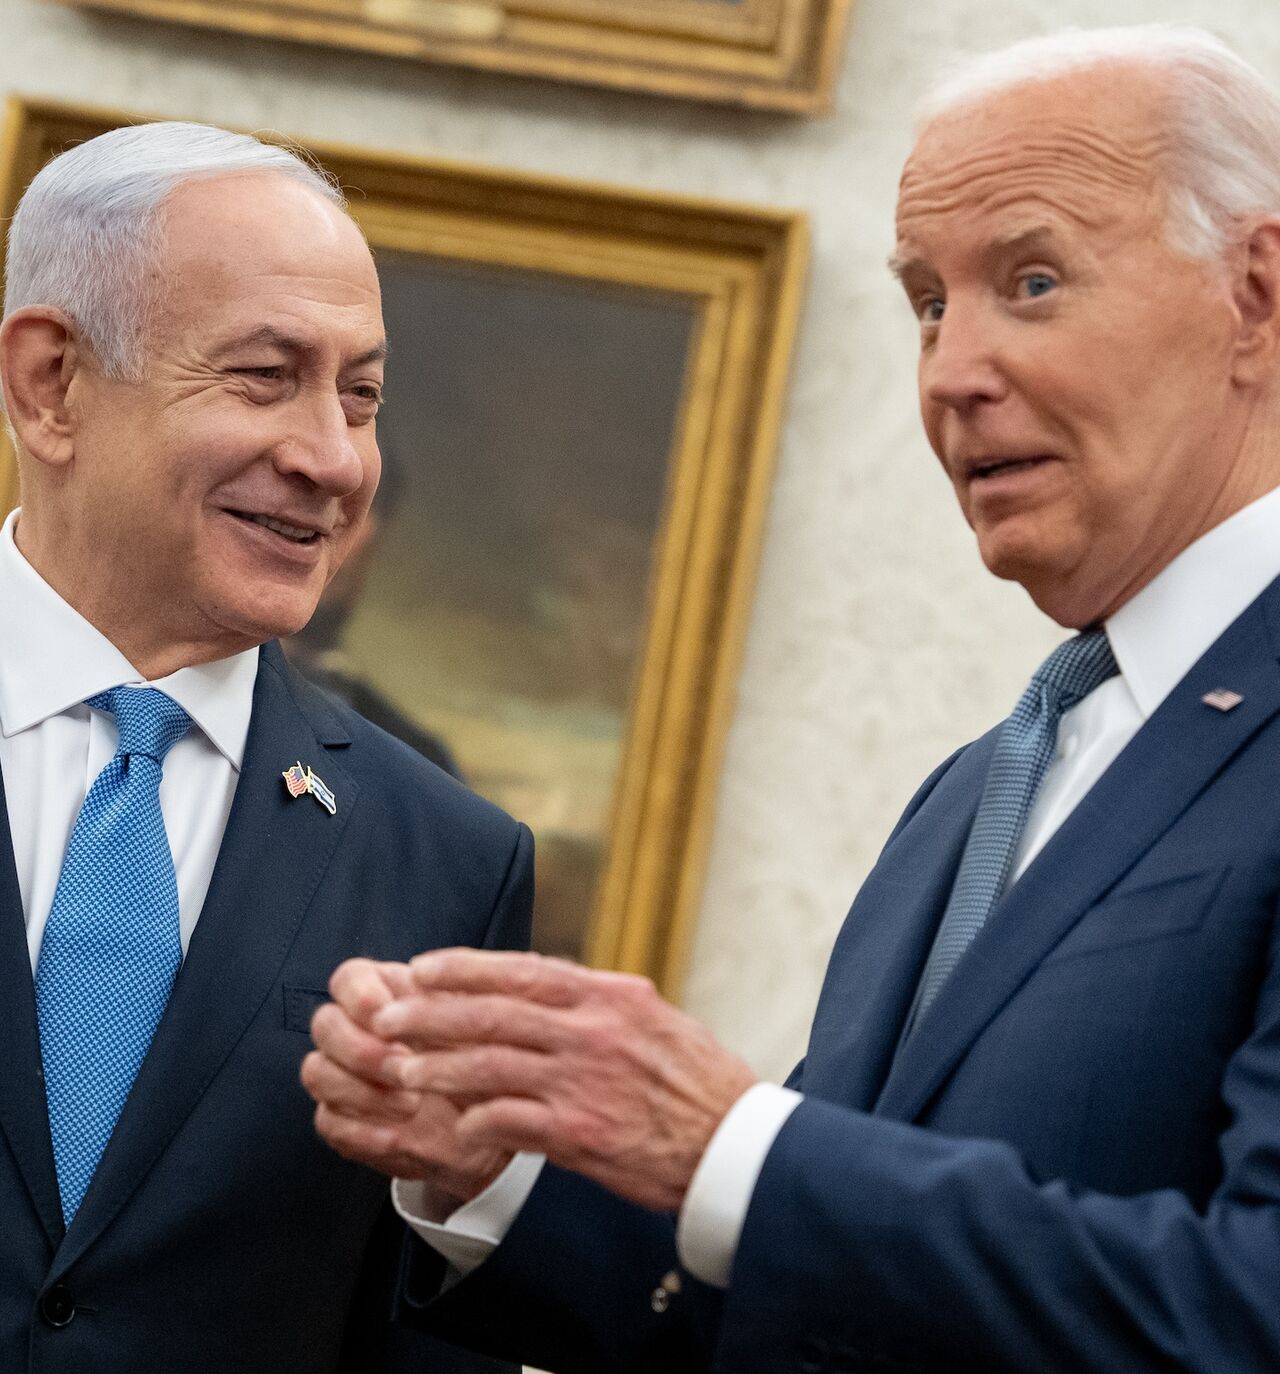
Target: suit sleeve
873,1244
571,1289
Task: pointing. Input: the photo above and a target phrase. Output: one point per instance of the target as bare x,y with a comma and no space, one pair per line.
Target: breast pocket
300,1006
1158,910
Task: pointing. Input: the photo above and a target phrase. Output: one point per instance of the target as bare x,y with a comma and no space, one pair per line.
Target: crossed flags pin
300,780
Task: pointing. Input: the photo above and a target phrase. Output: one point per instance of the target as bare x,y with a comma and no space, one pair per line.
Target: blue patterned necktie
111,948
1022,752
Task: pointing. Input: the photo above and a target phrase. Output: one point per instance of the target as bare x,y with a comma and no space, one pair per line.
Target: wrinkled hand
592,1069
364,1110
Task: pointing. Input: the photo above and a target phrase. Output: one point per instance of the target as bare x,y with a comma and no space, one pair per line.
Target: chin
1045,584
267,616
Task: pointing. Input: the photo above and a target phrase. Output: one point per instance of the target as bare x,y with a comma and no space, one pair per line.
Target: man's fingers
555,982
473,1073
354,1048
441,1019
348,1095
378,1146
510,1124
361,986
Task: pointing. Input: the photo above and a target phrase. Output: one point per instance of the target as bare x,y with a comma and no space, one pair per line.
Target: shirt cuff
468,1236
715,1207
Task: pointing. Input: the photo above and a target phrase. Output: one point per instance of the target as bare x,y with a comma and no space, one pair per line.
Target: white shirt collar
53,659
1158,635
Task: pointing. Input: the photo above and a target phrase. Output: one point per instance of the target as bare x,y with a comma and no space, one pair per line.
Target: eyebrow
1002,245
271,337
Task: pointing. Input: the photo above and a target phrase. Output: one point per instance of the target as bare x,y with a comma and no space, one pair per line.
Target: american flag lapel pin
321,793
295,779
1222,699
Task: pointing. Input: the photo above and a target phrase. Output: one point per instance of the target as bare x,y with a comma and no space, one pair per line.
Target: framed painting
583,400
762,54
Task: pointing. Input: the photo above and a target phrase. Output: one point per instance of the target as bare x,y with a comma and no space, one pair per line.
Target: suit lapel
271,863
882,947
1156,777
24,1114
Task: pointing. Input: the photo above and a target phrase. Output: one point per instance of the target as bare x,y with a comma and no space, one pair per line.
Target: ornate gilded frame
743,269
763,54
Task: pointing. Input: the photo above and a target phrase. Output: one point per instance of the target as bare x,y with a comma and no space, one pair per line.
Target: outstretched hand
592,1069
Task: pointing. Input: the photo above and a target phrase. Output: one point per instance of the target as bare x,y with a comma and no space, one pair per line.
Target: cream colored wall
877,644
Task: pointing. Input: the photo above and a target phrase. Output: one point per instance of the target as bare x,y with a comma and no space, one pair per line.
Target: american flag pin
1222,699
295,779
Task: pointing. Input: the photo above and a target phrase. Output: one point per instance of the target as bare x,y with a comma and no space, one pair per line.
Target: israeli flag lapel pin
321,793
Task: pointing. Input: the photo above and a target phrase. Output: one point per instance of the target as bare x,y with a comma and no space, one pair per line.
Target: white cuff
468,1236
715,1207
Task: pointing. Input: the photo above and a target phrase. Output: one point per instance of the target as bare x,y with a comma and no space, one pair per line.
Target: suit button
57,1306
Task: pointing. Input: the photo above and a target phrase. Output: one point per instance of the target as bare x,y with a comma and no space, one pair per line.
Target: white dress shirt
52,746
1156,637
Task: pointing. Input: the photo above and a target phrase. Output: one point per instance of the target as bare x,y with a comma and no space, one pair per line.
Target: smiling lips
296,534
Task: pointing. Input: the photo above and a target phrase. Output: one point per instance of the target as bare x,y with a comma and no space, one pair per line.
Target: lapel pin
321,793
1222,699
300,780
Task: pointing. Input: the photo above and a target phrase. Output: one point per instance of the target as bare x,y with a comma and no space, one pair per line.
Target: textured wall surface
878,643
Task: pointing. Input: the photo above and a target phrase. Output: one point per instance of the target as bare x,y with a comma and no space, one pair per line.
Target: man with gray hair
1038,1125
191,836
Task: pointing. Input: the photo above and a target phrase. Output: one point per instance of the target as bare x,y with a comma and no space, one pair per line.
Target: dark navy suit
1072,1165
219,1234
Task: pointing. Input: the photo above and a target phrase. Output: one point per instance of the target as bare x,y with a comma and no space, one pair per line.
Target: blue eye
1038,283
930,309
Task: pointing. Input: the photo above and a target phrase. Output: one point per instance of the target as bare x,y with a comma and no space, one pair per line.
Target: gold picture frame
616,265
762,54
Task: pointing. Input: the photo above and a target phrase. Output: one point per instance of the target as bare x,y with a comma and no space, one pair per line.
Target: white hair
1224,158
89,228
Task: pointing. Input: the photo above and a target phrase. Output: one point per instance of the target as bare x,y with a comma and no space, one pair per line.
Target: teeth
279,527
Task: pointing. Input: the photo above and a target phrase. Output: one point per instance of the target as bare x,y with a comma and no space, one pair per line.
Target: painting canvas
761,54
527,432
583,397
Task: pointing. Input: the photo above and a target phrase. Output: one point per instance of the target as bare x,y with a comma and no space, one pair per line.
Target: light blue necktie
1022,752
111,948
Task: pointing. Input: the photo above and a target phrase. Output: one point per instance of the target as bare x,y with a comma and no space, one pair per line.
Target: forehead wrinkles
1082,170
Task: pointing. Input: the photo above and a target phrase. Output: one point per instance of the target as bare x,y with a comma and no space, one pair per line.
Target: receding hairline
153,293
85,235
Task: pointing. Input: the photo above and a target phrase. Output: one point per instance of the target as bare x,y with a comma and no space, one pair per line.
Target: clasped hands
440,1070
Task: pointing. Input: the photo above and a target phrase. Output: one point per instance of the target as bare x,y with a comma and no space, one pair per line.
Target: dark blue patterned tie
111,949
1022,752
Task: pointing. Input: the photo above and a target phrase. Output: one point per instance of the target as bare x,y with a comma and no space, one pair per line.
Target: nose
321,446
959,366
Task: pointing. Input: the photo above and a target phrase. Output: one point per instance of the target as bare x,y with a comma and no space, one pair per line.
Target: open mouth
295,534
1003,465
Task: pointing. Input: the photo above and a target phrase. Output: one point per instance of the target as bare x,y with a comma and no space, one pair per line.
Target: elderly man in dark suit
1038,1125
193,836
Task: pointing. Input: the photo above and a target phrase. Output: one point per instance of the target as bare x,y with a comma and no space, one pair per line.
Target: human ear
40,356
1256,291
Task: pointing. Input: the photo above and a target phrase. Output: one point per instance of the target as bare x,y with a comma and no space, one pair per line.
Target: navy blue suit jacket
1074,1162
219,1233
